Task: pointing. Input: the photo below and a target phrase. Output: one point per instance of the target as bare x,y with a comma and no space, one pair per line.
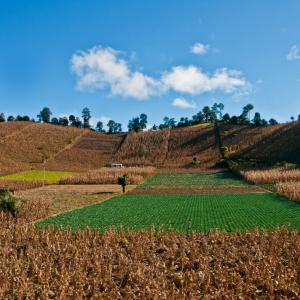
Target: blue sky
162,58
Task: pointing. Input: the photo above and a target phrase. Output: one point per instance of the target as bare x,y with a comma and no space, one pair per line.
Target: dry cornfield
272,175
239,138
26,145
52,263
9,128
91,151
289,189
34,144
144,148
110,176
187,143
17,185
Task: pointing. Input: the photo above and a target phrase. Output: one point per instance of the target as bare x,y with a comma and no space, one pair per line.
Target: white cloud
199,48
193,80
100,68
183,103
294,53
106,69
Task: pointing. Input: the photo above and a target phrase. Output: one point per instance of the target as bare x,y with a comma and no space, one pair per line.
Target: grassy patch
202,125
185,212
49,176
196,180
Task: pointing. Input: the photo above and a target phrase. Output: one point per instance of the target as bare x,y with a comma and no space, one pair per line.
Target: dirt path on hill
15,132
76,140
165,155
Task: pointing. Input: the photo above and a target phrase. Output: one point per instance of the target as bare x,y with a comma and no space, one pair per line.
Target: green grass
50,176
197,180
189,212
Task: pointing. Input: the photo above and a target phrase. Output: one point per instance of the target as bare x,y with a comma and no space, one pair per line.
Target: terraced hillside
187,143
26,145
272,143
10,128
144,148
91,151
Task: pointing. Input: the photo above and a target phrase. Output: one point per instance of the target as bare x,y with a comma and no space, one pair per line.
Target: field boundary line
121,143
167,146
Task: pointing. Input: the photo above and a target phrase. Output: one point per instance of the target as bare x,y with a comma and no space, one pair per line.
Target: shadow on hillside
283,144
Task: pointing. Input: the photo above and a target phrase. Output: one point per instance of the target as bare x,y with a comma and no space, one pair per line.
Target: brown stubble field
62,198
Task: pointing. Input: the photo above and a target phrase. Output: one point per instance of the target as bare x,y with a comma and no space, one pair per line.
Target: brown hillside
187,143
91,151
282,144
144,148
31,145
239,138
269,143
170,148
8,128
25,145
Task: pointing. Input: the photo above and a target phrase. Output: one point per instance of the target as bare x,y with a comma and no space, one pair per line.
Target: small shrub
222,163
194,161
123,181
224,151
9,203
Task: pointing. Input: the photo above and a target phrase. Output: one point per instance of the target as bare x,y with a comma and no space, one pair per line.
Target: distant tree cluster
138,124
73,121
206,115
215,113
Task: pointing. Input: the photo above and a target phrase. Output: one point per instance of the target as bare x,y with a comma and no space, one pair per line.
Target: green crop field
196,180
50,176
186,212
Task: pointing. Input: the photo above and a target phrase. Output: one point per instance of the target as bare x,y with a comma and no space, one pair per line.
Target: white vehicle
115,165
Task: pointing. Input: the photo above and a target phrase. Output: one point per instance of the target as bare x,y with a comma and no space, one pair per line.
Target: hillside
25,145
92,150
272,143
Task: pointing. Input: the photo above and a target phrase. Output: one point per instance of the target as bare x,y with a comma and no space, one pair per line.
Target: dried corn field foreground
36,264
